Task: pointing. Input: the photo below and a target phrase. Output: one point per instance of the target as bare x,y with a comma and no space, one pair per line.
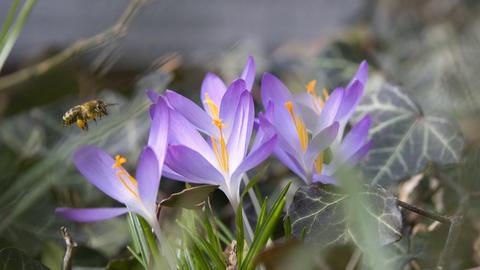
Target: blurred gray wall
198,29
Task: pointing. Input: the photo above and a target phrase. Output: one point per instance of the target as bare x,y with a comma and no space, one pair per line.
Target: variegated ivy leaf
404,138
323,215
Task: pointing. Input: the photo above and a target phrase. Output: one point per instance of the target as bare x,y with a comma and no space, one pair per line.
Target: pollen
311,87
124,177
299,126
319,163
213,108
317,101
220,147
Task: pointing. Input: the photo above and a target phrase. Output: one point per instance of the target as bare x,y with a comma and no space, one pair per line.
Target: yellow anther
325,94
119,161
311,87
319,163
299,126
124,176
213,108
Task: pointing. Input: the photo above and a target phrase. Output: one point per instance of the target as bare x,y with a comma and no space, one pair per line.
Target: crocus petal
291,163
248,73
169,173
184,133
330,110
90,214
255,157
360,154
355,137
229,104
158,135
324,179
192,165
273,90
153,95
309,117
351,98
96,166
192,112
214,87
241,130
361,75
148,177
320,142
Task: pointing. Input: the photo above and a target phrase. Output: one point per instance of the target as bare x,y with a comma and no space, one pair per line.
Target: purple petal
148,176
248,73
257,156
291,162
153,95
330,110
273,90
229,104
192,165
214,87
169,173
355,137
360,154
96,166
90,214
241,130
361,75
265,142
192,112
320,142
351,98
158,135
309,116
184,133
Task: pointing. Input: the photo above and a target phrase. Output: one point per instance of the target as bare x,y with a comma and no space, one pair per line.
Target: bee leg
82,124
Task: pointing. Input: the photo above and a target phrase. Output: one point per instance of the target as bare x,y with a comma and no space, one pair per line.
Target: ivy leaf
189,198
404,138
12,258
322,213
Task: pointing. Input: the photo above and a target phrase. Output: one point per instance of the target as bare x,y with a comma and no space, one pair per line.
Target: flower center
319,163
218,144
299,126
317,101
125,178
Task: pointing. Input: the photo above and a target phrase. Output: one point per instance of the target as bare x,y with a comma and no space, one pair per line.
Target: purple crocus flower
309,126
212,145
138,194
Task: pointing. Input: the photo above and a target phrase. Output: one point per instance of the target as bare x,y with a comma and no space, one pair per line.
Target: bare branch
119,29
71,244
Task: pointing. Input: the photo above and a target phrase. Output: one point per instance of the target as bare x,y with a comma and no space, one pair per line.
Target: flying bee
81,114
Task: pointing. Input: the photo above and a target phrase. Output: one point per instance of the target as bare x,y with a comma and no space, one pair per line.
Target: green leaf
266,229
240,232
323,212
12,258
189,198
124,264
404,138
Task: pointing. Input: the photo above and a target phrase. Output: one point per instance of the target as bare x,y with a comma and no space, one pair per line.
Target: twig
118,30
424,213
456,223
71,244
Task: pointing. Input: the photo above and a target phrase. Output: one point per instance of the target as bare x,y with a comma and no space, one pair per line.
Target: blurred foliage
429,48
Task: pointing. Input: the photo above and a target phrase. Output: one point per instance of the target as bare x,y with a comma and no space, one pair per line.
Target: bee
81,114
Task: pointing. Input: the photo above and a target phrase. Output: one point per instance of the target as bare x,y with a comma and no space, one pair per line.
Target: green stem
12,36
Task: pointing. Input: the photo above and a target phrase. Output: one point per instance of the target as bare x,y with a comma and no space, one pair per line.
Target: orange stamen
319,163
299,126
222,154
122,173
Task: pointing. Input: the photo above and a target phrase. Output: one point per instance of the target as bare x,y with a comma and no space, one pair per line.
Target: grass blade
12,36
